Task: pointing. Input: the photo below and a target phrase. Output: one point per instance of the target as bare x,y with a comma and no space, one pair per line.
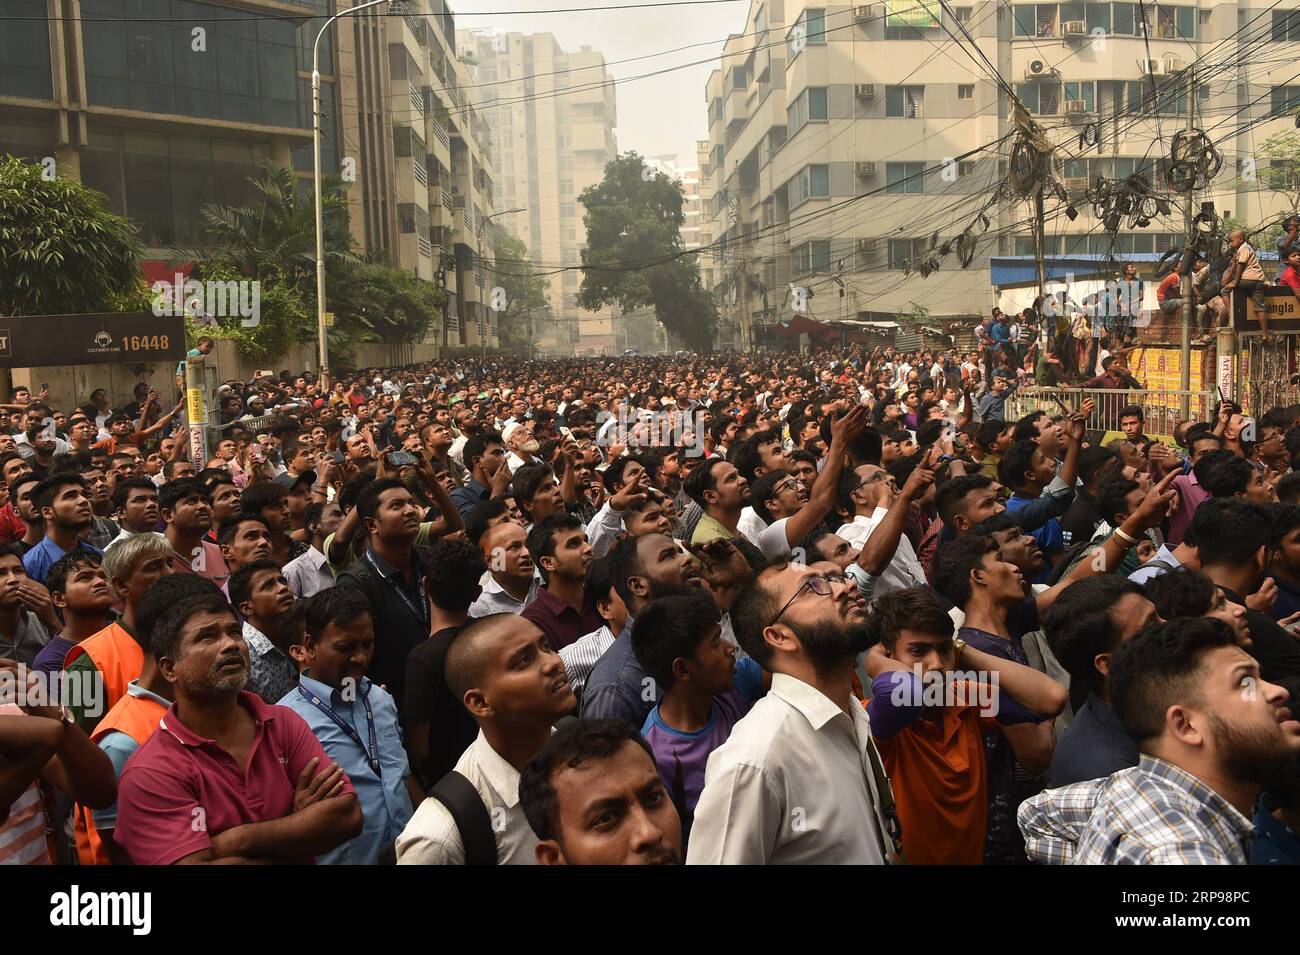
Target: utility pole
1189,237
1040,239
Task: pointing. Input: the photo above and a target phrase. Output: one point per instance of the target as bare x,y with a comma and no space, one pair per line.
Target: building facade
848,144
552,116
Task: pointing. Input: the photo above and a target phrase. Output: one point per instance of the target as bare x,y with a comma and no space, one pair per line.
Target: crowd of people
765,608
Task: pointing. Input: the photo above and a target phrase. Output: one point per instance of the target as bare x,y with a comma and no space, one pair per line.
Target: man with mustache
523,447
514,685
799,780
605,767
225,777
135,504
355,720
511,584
1212,735
63,500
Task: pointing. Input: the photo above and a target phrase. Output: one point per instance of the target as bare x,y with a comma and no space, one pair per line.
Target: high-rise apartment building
843,139
552,116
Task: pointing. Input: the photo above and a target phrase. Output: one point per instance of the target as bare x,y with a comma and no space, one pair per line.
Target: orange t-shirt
940,784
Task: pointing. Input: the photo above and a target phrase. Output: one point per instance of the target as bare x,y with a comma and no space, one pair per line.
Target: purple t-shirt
682,757
50,659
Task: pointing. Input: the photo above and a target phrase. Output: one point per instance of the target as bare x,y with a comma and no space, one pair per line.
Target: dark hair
528,480
671,628
166,638
749,456
701,479
598,583
915,608
613,474
1157,669
761,491
56,579
1111,498
315,513
955,560
45,492
1027,426
1283,519
1182,593
368,497
1093,460
261,495
1288,488
1078,627
1229,530
1016,463
1223,474
124,488
569,747
866,448
240,584
11,550
752,612
477,444
541,539
481,516
163,595
1134,411
230,526
453,569
624,564
213,478
173,492
989,431
339,604
952,491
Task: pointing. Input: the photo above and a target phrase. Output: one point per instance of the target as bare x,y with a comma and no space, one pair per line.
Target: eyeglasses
820,584
789,484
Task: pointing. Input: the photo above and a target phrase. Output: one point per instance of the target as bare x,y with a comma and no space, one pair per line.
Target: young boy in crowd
79,590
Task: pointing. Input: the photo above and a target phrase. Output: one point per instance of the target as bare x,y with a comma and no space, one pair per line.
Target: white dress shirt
495,598
904,569
308,574
431,837
792,784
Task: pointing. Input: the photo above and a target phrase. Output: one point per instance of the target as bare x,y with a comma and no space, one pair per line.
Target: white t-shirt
772,542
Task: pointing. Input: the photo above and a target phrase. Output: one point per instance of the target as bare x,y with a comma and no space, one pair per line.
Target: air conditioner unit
1173,64
868,245
866,91
1074,28
1076,106
861,14
1151,67
1037,70
1076,185
866,170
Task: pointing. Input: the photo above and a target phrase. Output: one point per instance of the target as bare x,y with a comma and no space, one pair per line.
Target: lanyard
372,752
420,610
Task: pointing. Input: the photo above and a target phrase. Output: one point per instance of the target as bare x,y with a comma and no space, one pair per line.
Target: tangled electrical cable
1133,198
963,244
1194,160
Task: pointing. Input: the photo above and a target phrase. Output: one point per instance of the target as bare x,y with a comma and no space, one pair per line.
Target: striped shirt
22,834
1152,814
580,656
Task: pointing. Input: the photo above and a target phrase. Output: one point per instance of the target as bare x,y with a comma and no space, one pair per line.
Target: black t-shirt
1080,520
428,699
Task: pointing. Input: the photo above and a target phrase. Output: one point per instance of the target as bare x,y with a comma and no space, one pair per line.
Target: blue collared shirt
616,688
385,802
1275,843
38,561
470,496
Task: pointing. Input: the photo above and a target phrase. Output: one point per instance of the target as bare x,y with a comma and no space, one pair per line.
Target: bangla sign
1283,310
33,341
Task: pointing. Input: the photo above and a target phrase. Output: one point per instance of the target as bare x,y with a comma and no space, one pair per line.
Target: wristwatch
958,645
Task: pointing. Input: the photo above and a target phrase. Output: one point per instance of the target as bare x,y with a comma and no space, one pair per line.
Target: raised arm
822,497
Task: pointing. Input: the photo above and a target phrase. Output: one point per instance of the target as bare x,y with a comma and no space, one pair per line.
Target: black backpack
470,815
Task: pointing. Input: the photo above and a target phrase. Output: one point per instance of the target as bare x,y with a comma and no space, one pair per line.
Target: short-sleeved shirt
682,756
30,637
179,790
209,564
120,747
428,699
1251,270
1290,278
38,561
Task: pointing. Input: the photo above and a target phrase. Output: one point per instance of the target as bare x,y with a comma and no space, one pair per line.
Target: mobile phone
400,459
336,457
45,386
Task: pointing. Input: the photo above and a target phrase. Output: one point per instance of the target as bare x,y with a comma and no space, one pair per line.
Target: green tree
634,255
61,250
1277,167
524,291
376,301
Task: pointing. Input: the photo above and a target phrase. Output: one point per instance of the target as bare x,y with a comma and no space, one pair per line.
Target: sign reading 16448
32,341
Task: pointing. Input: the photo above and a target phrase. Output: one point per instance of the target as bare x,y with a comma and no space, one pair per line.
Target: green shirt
710,529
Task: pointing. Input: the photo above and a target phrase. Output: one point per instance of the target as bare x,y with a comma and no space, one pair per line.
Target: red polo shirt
560,622
180,789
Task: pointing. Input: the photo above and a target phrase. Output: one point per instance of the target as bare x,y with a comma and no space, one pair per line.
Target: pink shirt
179,789
1190,497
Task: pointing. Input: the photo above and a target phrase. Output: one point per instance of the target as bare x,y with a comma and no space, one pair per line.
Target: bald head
471,652
503,671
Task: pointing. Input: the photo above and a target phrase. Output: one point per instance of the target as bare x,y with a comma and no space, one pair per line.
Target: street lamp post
478,235
315,141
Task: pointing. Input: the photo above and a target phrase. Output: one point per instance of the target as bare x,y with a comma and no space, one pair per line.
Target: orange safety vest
137,717
116,655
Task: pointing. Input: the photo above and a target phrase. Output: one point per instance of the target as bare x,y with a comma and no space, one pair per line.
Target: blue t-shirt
1050,537
682,757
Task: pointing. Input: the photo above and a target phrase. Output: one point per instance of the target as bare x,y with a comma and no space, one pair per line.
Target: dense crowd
830,608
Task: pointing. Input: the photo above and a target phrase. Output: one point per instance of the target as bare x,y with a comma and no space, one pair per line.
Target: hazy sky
657,115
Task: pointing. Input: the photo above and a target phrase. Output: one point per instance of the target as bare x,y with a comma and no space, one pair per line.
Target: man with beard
436,439
514,685
559,548
255,776
262,596
185,509
799,780
1212,734
523,446
37,441
20,498
722,493
601,768
64,503
644,569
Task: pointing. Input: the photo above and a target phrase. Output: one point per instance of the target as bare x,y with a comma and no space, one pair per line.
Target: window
1286,26
965,167
26,51
1170,97
815,21
1285,100
810,257
1097,17
1045,19
809,28
965,90
903,251
1082,91
905,102
1124,17
812,182
1024,14
962,14
810,105
904,177
715,109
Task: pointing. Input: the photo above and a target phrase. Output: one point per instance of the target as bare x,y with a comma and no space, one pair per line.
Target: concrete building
552,116
812,107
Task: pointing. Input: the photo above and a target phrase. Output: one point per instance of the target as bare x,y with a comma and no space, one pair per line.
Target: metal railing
1162,408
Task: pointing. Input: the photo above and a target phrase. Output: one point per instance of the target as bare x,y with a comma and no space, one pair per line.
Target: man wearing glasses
871,499
799,780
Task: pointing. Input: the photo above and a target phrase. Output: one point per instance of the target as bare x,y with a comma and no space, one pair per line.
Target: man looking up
484,456
559,548
214,748
23,632
512,583
79,590
603,766
243,539
514,686
64,503
135,504
722,493
185,508
263,598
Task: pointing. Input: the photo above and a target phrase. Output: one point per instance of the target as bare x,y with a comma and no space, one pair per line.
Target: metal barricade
1162,408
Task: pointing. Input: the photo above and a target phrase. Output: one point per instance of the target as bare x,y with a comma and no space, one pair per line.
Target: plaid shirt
1152,814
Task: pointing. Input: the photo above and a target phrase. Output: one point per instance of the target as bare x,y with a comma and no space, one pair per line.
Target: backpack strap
471,817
